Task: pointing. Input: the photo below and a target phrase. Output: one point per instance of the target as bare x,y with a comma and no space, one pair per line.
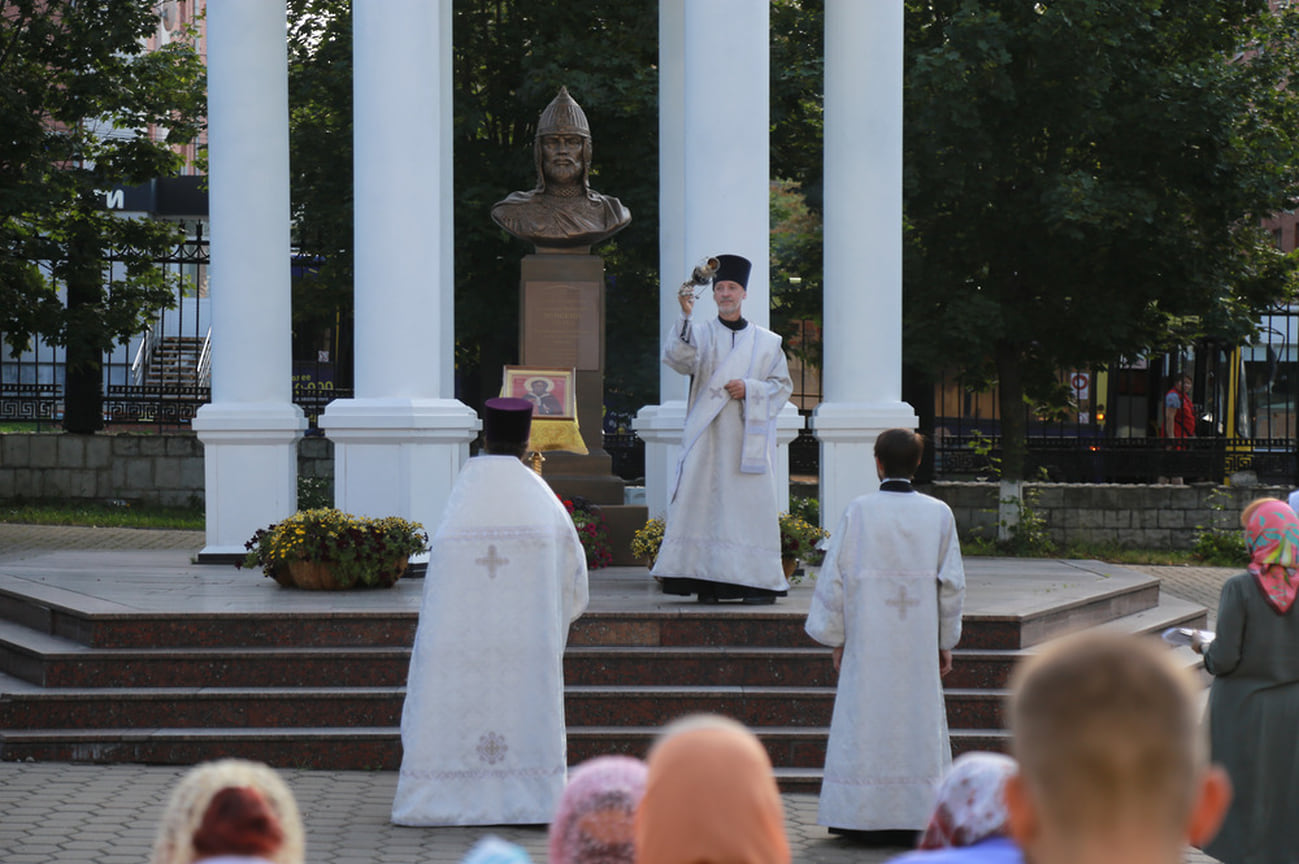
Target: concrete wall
1133,516
154,470
167,470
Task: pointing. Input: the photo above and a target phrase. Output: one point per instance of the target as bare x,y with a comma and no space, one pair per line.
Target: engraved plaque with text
561,324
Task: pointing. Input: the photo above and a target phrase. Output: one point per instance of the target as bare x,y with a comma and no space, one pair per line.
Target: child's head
898,452
1108,742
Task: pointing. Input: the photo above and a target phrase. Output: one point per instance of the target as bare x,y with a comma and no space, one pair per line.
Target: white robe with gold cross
891,593
482,728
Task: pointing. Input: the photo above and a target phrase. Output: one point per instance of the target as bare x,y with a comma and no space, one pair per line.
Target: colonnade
400,441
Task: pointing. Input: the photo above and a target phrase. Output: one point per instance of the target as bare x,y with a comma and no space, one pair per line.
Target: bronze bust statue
563,213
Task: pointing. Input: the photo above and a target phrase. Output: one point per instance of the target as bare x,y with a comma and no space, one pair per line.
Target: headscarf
710,798
971,804
593,824
192,797
1272,538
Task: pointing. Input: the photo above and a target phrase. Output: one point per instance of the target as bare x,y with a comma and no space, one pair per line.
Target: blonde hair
1105,731
174,843
1254,505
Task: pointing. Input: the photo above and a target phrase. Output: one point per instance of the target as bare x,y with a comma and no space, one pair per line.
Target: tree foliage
79,95
1084,179
797,83
320,164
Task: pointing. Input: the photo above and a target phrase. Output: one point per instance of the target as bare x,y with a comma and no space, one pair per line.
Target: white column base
250,465
660,427
788,425
398,457
847,432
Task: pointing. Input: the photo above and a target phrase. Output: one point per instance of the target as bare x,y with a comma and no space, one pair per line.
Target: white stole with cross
752,355
482,726
890,593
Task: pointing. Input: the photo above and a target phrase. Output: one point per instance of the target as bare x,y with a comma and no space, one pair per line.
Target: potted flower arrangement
798,542
646,541
798,539
327,548
592,531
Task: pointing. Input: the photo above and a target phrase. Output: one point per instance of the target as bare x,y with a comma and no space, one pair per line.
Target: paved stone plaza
59,813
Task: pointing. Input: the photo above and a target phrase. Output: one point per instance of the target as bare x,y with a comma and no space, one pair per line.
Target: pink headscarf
1272,537
971,804
593,824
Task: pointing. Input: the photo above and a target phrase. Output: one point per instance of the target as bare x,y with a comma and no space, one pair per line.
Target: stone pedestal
561,324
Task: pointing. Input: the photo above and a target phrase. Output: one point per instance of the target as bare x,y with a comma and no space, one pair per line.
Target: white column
399,444
862,303
251,428
713,185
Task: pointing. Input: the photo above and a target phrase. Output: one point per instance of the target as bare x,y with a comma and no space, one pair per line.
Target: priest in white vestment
888,600
482,728
722,538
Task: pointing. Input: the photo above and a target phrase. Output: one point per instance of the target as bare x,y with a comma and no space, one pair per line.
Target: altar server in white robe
482,728
722,538
888,600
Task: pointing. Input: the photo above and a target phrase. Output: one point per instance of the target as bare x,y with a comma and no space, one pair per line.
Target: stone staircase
174,362
324,689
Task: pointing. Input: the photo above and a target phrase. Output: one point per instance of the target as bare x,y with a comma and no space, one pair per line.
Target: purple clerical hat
733,268
507,420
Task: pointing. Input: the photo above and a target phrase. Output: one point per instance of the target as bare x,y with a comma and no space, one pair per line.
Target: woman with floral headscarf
593,824
968,825
1254,700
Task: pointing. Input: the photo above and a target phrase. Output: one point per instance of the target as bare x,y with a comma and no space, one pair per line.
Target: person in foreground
888,600
1112,764
482,728
593,824
722,537
710,797
1254,698
968,825
230,810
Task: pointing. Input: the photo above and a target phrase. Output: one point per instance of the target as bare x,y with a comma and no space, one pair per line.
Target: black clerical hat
733,268
507,420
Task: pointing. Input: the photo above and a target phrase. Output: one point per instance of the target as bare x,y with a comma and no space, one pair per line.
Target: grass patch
103,515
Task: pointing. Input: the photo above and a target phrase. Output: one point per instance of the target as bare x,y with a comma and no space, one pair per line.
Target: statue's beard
564,181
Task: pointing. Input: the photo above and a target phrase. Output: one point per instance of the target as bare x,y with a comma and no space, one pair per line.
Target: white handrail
204,370
143,355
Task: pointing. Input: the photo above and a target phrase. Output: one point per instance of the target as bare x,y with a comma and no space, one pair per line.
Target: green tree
1084,179
79,96
320,162
797,82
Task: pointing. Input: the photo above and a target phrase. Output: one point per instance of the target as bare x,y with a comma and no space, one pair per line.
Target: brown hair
899,451
1106,734
238,822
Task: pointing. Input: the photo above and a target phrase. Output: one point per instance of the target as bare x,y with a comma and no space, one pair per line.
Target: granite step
378,748
57,662
224,707
55,611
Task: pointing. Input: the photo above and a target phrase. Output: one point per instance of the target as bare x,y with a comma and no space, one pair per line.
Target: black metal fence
160,377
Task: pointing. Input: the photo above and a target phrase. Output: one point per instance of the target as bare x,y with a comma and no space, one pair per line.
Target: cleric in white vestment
482,728
722,538
888,600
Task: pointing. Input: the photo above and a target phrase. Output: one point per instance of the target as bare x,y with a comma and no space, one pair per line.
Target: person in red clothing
1179,412
1179,422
